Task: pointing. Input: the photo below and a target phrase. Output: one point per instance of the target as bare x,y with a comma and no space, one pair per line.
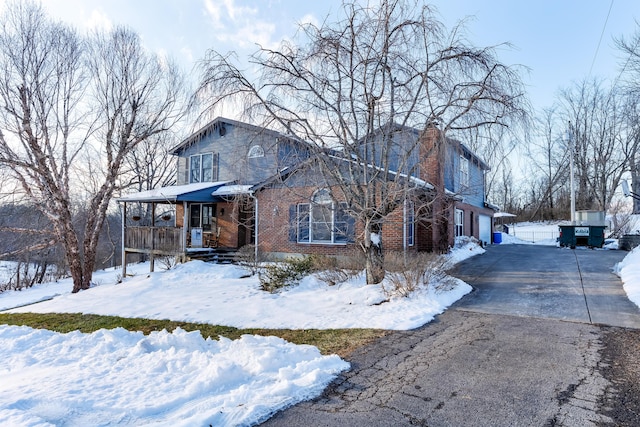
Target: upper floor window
464,171
256,151
203,167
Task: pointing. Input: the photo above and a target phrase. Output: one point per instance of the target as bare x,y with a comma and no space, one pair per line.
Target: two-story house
307,209
240,184
212,204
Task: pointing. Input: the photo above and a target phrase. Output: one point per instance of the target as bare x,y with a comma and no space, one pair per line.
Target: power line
624,67
601,36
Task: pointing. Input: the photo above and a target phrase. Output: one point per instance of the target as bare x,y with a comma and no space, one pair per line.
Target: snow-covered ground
629,271
117,377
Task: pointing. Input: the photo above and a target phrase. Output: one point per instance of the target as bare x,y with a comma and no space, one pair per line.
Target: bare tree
73,108
632,146
597,132
351,85
549,165
630,81
149,166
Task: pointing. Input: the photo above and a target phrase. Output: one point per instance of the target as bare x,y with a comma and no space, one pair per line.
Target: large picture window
323,221
203,168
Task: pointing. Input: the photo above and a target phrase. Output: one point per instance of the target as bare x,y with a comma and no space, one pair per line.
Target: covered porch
186,221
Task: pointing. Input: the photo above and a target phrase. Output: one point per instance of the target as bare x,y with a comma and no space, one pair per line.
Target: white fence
533,235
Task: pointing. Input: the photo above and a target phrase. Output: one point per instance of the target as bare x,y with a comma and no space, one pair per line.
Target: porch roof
198,192
231,190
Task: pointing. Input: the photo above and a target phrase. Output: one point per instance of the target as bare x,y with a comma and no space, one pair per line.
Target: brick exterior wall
441,228
273,229
433,232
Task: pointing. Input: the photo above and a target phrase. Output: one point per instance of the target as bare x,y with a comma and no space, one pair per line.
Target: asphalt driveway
524,349
548,283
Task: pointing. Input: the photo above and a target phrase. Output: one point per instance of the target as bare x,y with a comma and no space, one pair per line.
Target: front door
245,227
195,214
202,215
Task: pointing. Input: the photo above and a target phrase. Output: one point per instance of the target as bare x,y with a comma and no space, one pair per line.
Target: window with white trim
464,171
203,168
202,215
459,217
255,151
410,218
323,220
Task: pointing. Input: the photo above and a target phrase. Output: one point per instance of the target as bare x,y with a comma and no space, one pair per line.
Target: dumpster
582,235
497,237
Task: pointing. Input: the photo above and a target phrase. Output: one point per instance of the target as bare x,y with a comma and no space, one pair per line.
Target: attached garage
484,229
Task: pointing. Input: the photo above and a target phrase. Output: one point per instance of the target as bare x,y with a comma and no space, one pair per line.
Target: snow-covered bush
410,271
246,258
168,262
276,276
335,270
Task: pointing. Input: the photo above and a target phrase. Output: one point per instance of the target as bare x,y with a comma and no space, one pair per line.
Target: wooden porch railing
156,240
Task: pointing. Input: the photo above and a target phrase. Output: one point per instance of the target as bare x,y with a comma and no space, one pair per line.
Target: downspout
255,226
404,229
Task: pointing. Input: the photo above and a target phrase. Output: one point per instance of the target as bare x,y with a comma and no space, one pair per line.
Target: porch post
123,211
184,226
152,257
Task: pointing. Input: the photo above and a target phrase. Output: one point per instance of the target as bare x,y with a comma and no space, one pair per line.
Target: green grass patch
339,341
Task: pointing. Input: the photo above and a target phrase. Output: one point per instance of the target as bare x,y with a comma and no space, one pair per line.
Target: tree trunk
75,268
88,266
635,184
374,258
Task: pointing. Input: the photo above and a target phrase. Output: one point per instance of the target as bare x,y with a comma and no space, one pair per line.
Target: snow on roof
417,181
231,190
503,215
171,193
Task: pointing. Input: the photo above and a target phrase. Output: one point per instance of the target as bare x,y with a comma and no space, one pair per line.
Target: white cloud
187,52
213,9
98,20
239,25
309,19
219,11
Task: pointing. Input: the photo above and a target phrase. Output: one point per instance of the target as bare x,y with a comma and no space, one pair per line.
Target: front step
219,256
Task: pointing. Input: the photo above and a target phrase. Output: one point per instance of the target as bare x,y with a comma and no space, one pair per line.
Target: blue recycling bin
497,237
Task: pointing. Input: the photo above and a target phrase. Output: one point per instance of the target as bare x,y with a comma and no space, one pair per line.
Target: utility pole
573,190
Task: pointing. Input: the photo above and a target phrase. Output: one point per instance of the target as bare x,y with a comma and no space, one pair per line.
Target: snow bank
117,377
201,292
464,247
629,271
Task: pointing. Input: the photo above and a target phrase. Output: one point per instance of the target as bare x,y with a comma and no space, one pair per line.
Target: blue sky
556,39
